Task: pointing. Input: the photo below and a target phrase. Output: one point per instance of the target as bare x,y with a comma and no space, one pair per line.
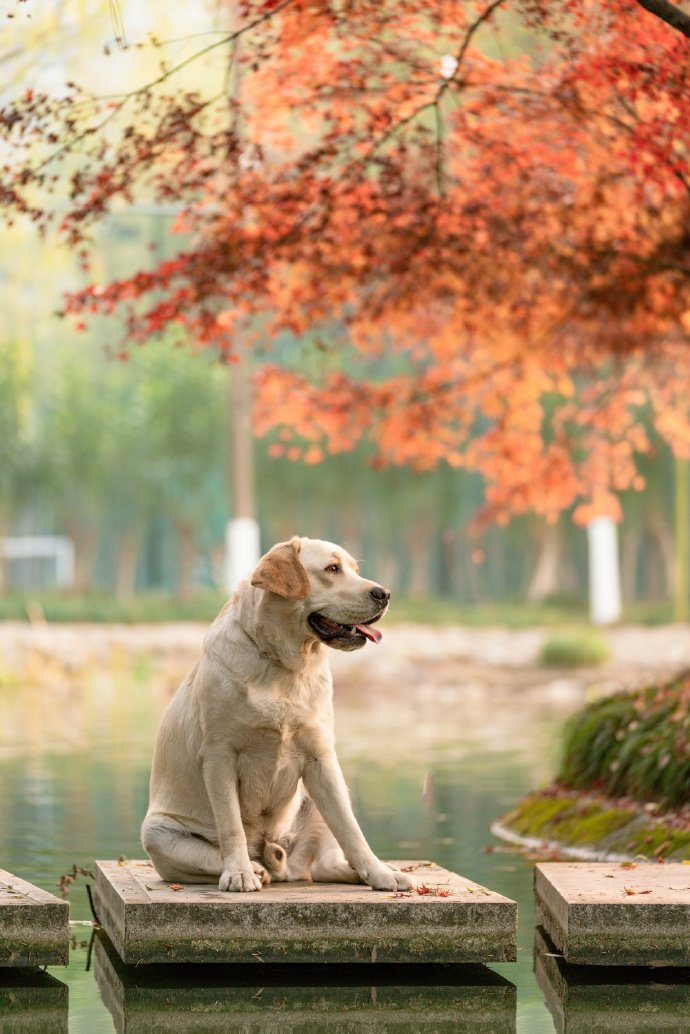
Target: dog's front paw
239,880
403,880
385,877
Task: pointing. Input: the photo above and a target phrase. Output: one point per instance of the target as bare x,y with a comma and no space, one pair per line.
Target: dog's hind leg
315,853
275,858
177,854
331,866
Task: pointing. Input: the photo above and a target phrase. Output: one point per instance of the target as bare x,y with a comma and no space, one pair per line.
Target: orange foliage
491,253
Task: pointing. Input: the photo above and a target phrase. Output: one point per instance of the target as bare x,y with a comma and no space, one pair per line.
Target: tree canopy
476,213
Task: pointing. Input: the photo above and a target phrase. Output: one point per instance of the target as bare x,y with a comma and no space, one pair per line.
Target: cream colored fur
245,776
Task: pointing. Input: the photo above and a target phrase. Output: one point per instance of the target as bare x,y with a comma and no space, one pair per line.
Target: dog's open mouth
329,630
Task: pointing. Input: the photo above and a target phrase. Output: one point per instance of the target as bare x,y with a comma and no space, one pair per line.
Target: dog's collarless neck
254,643
275,656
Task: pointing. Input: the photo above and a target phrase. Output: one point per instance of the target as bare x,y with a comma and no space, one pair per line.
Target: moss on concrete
461,947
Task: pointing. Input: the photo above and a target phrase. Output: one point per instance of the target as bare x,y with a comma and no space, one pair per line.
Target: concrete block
612,914
32,1002
611,999
302,999
34,925
150,921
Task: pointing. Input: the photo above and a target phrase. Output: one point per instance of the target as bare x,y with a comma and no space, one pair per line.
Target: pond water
75,747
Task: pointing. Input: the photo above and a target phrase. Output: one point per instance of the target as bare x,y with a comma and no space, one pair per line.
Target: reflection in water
262,999
594,999
32,1002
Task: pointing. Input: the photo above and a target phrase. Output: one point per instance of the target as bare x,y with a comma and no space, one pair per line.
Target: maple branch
452,386
683,179
439,149
669,13
479,21
232,37
433,104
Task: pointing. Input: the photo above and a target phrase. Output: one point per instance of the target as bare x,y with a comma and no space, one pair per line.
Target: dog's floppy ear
280,571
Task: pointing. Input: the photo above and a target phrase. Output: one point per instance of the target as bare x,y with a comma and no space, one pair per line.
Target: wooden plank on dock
32,1002
308,999
616,914
151,921
34,925
617,999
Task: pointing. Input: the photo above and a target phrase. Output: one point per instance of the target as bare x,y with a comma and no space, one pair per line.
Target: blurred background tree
132,447
129,459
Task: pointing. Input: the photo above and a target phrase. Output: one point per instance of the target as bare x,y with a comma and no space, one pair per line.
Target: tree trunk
127,555
419,538
187,557
630,550
4,528
661,532
448,581
388,570
682,540
350,535
242,477
545,577
85,539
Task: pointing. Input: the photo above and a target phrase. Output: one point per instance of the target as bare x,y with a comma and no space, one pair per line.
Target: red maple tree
487,248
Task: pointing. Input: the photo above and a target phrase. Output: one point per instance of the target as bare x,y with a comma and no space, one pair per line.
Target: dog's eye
334,568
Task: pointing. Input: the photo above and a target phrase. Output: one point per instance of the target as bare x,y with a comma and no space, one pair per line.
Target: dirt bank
408,654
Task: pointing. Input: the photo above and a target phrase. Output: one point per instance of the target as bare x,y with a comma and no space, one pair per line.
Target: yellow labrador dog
245,783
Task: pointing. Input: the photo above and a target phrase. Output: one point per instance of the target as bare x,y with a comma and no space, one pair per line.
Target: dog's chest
274,727
269,761
269,711
284,705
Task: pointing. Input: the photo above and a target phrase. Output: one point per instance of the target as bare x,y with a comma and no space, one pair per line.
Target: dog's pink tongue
370,632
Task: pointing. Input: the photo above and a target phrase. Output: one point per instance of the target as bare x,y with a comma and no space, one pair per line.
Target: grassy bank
149,607
633,744
155,607
624,783
102,608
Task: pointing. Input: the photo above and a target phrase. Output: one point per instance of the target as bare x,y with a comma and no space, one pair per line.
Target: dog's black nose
380,594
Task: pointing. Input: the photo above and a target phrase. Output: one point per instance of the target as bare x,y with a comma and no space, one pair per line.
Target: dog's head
337,606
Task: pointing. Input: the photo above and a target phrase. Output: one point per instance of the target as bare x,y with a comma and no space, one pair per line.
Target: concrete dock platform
614,999
302,999
34,925
453,919
616,914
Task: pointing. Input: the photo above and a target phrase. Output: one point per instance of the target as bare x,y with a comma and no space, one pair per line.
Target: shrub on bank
633,744
574,649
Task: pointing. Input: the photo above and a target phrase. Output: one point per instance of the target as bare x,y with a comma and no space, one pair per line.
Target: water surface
75,747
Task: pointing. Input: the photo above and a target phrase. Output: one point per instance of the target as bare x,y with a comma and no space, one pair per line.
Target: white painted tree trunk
604,571
242,550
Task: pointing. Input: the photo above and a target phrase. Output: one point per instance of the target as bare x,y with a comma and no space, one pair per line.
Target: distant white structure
242,550
449,65
57,548
604,571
